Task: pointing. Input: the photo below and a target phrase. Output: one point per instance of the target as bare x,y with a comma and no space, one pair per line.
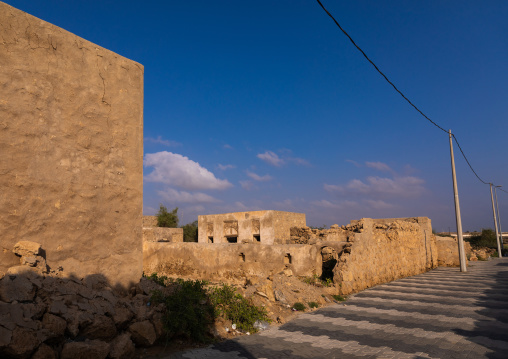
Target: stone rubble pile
49,314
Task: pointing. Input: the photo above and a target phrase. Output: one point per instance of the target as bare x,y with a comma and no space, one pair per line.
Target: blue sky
267,105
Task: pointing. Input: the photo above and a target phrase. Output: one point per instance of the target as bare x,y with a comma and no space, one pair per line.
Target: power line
378,70
469,164
396,89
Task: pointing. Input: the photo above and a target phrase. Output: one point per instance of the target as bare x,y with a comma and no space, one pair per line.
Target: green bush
235,307
167,219
339,298
486,239
160,280
188,310
315,280
313,305
190,232
299,306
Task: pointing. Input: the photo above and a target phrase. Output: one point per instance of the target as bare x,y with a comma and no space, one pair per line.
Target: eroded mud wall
384,250
71,141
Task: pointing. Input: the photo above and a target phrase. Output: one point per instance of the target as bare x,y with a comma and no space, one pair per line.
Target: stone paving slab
439,314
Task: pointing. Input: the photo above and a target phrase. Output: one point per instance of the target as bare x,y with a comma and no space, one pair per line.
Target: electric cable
469,164
400,93
378,70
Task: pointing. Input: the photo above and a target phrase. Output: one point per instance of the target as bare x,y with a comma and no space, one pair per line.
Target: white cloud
241,206
177,170
299,161
225,167
159,140
342,205
354,163
407,186
380,166
173,196
247,185
326,204
379,204
227,147
271,158
257,177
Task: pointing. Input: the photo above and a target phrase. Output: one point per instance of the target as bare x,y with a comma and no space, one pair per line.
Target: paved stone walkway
439,314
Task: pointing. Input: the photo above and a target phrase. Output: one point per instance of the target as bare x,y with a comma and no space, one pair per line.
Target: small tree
167,219
190,232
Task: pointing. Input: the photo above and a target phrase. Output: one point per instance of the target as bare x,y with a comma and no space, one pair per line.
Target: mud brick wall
274,226
229,262
71,142
384,250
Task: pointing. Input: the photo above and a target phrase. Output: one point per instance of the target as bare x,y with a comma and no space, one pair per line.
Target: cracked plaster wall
71,142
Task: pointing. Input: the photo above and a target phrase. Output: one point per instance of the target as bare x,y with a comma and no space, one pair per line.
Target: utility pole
495,222
462,254
499,218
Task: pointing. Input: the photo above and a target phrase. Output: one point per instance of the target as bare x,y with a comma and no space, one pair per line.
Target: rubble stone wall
384,250
230,262
71,139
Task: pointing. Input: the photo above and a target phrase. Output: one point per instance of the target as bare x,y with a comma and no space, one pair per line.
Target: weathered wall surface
385,250
273,227
71,139
152,233
162,234
448,251
229,261
149,221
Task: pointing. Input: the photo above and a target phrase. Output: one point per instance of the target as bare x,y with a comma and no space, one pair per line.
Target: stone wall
384,250
231,262
162,234
149,221
152,233
270,227
71,139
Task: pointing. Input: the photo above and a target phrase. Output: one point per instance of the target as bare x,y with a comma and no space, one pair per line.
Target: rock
58,307
23,343
27,248
29,260
102,327
334,226
279,296
287,272
90,349
44,352
16,287
157,324
143,333
5,337
147,286
266,290
122,347
261,294
122,316
54,324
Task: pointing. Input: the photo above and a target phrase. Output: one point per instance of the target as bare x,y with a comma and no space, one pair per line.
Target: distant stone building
265,227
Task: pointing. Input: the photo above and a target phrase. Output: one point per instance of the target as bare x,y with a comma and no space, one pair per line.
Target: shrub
238,309
299,306
313,305
188,310
486,239
167,219
315,280
339,298
160,280
190,232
